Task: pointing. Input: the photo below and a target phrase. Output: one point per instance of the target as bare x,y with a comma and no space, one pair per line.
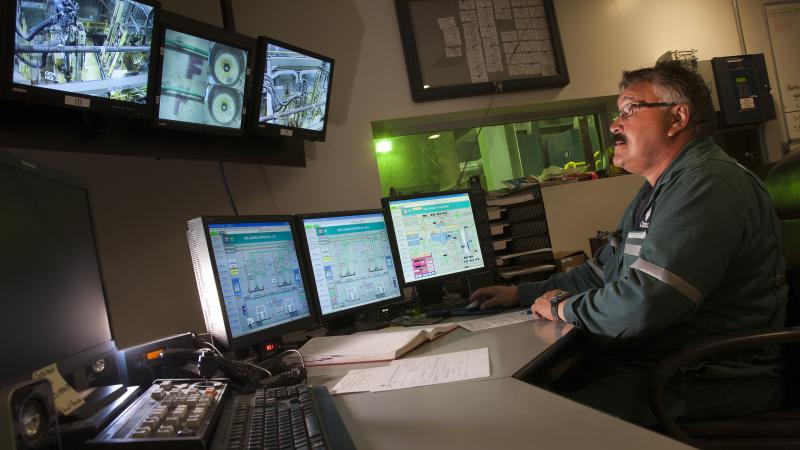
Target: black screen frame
267,129
55,97
269,333
217,35
300,222
393,236
67,362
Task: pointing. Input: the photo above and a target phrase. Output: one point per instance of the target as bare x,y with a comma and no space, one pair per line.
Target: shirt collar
690,152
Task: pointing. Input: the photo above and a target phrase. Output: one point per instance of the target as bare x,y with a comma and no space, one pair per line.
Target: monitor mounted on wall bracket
292,91
204,77
93,56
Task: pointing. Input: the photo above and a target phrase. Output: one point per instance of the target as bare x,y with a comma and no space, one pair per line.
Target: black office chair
774,430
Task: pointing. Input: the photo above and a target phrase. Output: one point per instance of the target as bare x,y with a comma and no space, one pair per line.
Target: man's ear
680,119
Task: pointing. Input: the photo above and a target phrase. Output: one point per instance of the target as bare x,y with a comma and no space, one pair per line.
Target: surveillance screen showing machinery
352,261
202,82
295,89
95,47
259,274
436,236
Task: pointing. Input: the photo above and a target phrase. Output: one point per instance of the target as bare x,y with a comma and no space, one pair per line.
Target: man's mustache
619,139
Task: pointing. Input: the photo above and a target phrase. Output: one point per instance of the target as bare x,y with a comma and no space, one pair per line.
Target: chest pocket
631,247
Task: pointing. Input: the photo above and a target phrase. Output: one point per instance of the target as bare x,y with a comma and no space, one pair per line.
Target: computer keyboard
295,417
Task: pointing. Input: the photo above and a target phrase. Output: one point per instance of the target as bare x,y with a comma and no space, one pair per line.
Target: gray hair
674,83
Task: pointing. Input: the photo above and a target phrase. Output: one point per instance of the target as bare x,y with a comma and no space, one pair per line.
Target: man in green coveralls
697,253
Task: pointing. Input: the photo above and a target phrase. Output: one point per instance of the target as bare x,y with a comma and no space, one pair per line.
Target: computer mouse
476,305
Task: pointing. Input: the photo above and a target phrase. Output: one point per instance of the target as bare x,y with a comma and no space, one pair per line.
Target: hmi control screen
435,235
259,275
352,261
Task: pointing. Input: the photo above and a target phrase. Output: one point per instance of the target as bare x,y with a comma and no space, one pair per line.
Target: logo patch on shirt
645,223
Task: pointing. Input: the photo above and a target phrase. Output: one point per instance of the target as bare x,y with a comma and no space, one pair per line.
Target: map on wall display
436,236
260,275
352,261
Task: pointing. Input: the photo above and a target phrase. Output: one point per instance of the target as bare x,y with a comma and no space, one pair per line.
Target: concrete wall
141,205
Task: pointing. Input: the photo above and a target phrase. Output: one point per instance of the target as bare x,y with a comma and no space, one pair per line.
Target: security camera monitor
94,55
351,263
204,77
249,277
293,89
435,235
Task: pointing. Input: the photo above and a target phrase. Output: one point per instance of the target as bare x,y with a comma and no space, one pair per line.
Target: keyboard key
312,426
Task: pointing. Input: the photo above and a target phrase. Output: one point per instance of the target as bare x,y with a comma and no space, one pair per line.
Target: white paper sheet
359,380
452,37
452,52
446,22
469,16
495,321
435,369
413,372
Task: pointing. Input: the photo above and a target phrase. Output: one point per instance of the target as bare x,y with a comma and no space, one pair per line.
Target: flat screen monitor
293,91
204,77
351,263
51,285
249,277
94,55
435,235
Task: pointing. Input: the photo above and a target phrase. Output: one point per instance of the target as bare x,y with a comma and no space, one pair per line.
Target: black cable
228,188
498,88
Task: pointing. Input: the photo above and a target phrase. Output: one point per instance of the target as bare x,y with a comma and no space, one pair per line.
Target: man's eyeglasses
632,108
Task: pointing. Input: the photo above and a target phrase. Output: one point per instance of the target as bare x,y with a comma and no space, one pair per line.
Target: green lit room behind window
432,161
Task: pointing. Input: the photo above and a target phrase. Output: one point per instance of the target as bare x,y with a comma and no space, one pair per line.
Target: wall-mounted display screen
294,90
95,48
202,81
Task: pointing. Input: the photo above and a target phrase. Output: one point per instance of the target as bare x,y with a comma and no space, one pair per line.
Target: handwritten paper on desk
413,372
64,396
495,321
360,380
436,369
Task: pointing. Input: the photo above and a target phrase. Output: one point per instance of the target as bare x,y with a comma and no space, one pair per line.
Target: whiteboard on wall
783,24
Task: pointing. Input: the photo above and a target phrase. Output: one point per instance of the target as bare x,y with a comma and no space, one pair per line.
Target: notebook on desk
369,347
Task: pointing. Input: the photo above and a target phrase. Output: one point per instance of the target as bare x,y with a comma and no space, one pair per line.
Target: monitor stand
430,294
347,325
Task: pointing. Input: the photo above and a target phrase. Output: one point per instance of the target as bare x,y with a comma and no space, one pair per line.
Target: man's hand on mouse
497,296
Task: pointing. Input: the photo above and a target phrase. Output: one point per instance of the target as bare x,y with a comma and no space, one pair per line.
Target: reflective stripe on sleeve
633,250
669,278
637,234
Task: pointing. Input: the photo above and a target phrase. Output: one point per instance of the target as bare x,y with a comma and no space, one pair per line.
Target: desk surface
495,412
